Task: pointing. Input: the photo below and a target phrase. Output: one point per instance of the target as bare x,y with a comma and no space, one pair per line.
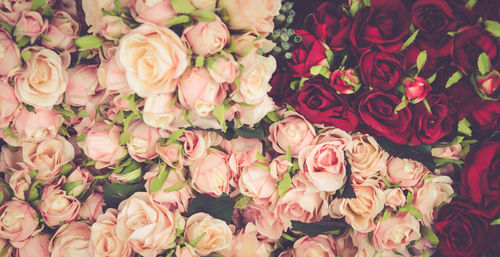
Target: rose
186,251
173,200
335,136
480,177
92,207
31,25
170,154
396,232
394,198
280,86
159,112
462,99
112,27
384,24
430,127
211,174
148,228
331,25
79,175
11,159
469,43
57,206
104,239
434,191
35,246
448,152
461,229
493,241
148,70
20,182
416,90
320,105
93,13
381,70
366,158
11,57
8,104
217,237
206,37
251,15
279,166
158,12
248,42
256,182
485,118
345,81
62,32
246,244
293,134
204,4
44,79
309,53
321,245
194,144
242,152
103,145
251,115
489,83
268,224
17,222
142,142
11,11
376,110
37,126
223,69
407,171
71,239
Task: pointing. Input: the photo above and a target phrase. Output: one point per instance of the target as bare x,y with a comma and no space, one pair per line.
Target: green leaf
483,63
413,211
219,208
425,253
470,4
493,27
320,70
273,116
421,59
427,106
182,6
133,105
197,240
124,138
200,61
218,112
47,12
88,42
329,56
262,166
404,102
442,161
410,40
5,249
26,55
464,127
69,186
171,253
37,4
261,158
23,41
429,235
66,169
82,137
174,136
454,79
176,187
314,229
9,132
127,121
215,255
181,19
284,184
6,26
288,155
432,78
386,216
114,194
160,179
242,201
83,113
247,132
203,15
66,113
418,153
495,222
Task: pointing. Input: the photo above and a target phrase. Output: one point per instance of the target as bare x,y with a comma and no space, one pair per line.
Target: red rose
481,177
494,239
469,43
331,25
430,127
309,53
280,86
417,89
462,99
376,110
384,24
486,118
345,81
380,70
321,105
461,229
489,83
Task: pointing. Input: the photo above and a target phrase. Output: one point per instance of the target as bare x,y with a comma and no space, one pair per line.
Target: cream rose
103,145
254,15
71,239
57,206
396,233
93,11
293,132
44,79
18,222
211,174
321,245
367,158
407,171
206,37
223,69
173,200
104,240
159,112
154,58
159,12
256,182
246,244
251,115
218,234
142,143
434,191
250,41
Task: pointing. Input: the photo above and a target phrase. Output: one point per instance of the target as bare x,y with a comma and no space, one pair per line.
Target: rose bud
489,83
83,85
173,200
223,69
159,12
78,181
62,32
57,206
20,182
103,145
35,246
17,222
206,38
11,57
256,182
251,15
321,245
345,81
129,176
294,133
92,207
142,142
416,90
31,24
71,239
112,27
186,251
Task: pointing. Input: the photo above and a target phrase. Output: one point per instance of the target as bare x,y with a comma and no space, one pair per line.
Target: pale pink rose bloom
321,245
407,171
3,244
160,111
30,24
367,158
11,160
359,212
10,11
112,27
35,246
104,239
204,4
396,232
20,182
448,152
293,132
37,126
141,145
206,37
302,202
218,235
83,85
256,182
103,145
211,174
10,59
252,15
394,198
93,11
149,228
242,152
92,208
113,77
434,191
154,58
332,134
57,206
223,69
268,225
48,156
250,115
249,40
186,251
173,200
83,175
8,104
71,239
170,154
324,165
279,166
159,12
17,222
194,144
62,32
246,244
199,92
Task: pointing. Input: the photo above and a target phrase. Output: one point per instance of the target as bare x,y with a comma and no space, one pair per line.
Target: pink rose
435,191
251,15
37,126
113,27
345,81
57,206
159,12
10,11
256,182
279,166
321,245
293,132
83,85
20,182
345,245
408,172
199,92
93,11
141,145
30,24
251,115
334,135
35,246
206,38
242,152
396,233
488,83
71,239
79,175
367,158
92,208
18,222
173,200
161,112
186,251
267,223
416,90
62,32
103,145
170,154
11,159
11,57
104,239
112,76
211,174
246,244
448,152
194,144
218,235
394,198
223,69
8,104
249,40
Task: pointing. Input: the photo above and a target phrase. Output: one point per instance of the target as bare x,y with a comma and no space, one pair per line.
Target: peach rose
147,227
83,85
407,171
206,37
186,251
223,69
91,209
249,40
154,58
8,104
204,4
35,246
246,244
256,182
170,154
103,145
159,112
449,152
194,144
242,152
10,11
293,132
141,145
113,27
279,166
211,174
104,239
367,158
332,134
268,225
434,191
394,198
71,239
112,76
93,11
57,206
396,232
20,182
77,175
62,32
173,200
250,115
321,245
30,24
37,126
48,156
43,81
253,15
18,222
218,234
10,57
159,12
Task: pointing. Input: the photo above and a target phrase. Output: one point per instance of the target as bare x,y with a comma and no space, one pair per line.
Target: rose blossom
112,27
103,145
93,11
186,251
149,229
159,12
82,175
35,246
57,206
154,58
396,233
394,198
91,209
170,154
83,85
251,115
246,244
218,234
251,15
249,40
267,223
447,152
10,11
242,152
489,83
279,166
211,174
310,52
407,171
141,145
206,37
8,104
256,182
195,144
434,191
345,81
10,58
159,112
416,90
173,200
473,37
17,222
104,239
30,24
321,245
112,76
71,239
19,183
62,32
37,126
294,132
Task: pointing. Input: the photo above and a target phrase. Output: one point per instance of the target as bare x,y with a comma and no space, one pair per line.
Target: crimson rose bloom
481,177
331,25
376,109
280,86
310,53
486,118
430,127
380,70
461,229
384,24
469,43
462,99
324,106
